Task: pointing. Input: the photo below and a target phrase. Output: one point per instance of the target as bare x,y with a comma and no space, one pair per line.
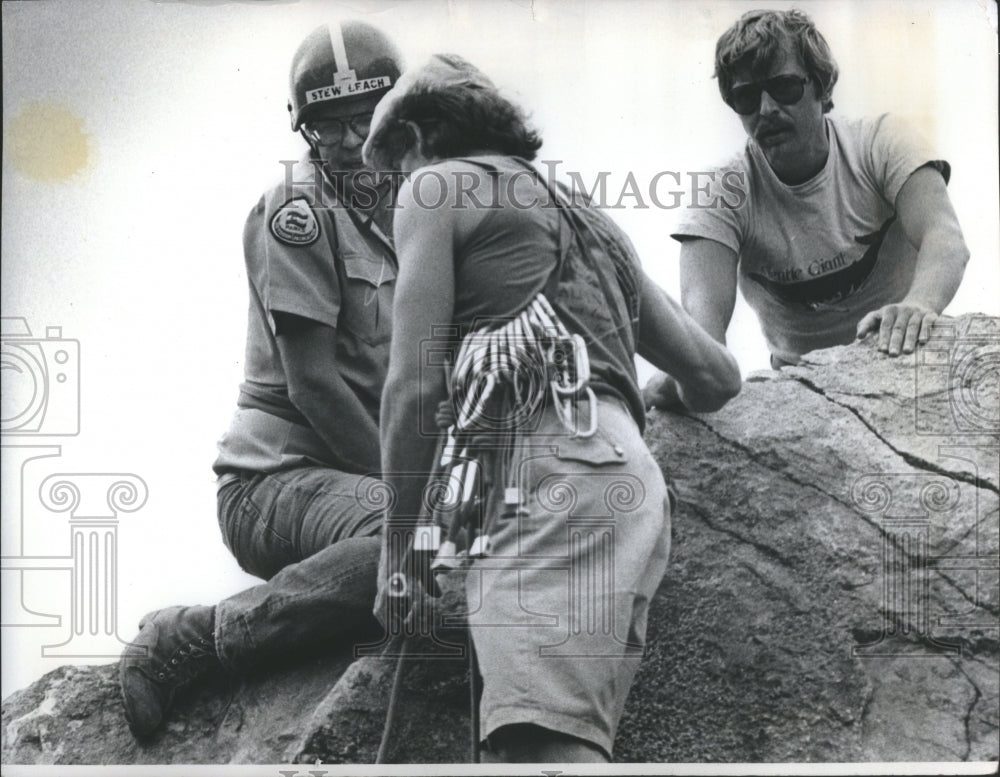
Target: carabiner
564,409
592,402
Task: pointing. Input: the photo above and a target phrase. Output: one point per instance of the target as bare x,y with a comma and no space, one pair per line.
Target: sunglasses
331,132
785,90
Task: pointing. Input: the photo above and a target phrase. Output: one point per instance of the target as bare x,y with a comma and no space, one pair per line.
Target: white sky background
139,257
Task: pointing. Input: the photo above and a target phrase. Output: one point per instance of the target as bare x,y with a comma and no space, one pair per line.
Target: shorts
558,610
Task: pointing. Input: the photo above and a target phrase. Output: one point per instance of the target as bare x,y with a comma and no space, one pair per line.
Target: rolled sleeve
898,151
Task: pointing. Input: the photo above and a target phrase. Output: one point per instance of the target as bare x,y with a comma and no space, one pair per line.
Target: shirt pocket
366,297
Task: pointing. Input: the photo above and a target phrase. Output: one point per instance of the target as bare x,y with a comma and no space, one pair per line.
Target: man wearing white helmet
291,468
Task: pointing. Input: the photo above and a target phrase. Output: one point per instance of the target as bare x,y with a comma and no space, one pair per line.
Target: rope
475,753
520,358
473,701
390,715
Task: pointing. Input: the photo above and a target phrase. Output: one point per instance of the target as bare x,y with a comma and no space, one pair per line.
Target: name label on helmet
348,89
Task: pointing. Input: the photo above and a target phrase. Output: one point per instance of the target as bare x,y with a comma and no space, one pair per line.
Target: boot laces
188,662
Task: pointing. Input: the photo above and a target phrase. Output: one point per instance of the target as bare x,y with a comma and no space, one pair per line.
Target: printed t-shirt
814,258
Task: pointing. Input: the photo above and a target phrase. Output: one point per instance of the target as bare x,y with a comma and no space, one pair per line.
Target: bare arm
708,284
317,389
424,297
706,374
425,238
425,294
708,292
931,226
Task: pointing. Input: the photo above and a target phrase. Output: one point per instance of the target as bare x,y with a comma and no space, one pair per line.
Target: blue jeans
309,535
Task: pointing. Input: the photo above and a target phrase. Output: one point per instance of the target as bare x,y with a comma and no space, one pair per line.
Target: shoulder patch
295,223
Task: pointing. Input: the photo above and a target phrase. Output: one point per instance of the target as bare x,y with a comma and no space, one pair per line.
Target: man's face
789,135
339,132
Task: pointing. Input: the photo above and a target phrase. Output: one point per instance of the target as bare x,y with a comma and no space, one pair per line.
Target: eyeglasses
331,132
785,90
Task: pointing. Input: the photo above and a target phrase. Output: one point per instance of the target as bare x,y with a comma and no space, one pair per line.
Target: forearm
317,389
708,314
670,339
940,266
708,286
930,223
407,458
409,439
336,414
425,241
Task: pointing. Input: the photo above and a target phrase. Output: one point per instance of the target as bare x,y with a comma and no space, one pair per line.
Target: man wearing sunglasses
846,228
291,468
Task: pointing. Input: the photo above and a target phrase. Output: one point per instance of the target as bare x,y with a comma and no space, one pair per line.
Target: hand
413,610
900,327
663,392
444,416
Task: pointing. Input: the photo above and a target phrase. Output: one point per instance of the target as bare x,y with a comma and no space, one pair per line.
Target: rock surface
832,596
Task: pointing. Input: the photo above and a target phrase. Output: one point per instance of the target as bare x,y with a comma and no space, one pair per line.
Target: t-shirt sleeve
290,260
897,151
714,201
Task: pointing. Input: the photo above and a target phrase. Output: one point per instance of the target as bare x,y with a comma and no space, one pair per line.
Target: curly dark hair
455,118
755,40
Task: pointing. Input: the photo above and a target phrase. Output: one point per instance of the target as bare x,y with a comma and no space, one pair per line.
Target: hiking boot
175,646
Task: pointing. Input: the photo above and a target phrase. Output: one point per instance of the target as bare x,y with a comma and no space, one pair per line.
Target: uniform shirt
814,258
510,257
308,255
